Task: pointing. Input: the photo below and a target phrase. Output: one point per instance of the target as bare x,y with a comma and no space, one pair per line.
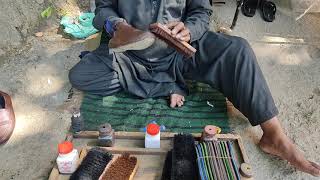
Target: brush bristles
161,32
184,164
167,167
92,165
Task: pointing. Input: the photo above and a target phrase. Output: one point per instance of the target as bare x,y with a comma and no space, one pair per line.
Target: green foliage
47,12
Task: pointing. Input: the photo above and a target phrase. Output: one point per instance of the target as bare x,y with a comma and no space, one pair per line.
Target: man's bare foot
274,141
176,100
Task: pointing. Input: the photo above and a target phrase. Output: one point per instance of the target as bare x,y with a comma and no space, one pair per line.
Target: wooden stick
307,10
134,172
141,135
127,135
54,175
137,151
242,151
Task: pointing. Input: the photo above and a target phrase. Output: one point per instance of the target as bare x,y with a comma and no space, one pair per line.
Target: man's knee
74,75
77,72
243,51
241,43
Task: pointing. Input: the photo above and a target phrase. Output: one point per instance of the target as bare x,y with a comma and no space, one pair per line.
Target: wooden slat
126,135
134,171
242,151
54,175
137,151
141,135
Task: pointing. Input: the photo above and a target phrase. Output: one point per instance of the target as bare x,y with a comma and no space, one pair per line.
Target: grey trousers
226,63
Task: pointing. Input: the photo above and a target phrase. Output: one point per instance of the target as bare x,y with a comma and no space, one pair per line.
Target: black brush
92,165
184,158
166,171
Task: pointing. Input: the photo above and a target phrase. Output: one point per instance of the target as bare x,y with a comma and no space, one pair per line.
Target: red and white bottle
152,137
68,158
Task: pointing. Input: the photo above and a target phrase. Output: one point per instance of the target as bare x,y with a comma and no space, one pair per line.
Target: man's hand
179,31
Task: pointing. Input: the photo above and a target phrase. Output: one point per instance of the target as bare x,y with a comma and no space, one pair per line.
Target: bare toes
173,101
315,165
315,170
311,169
176,100
180,103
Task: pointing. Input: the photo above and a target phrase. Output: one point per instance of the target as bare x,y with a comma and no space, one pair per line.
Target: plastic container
68,158
152,137
76,122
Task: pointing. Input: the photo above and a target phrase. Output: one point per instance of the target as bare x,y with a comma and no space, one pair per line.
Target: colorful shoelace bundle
216,160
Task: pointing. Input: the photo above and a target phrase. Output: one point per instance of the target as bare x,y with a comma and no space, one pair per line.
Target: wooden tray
150,161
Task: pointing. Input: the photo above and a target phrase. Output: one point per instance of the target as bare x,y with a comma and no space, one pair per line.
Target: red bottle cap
65,147
153,129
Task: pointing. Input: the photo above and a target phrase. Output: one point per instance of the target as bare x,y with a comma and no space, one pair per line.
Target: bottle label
106,138
66,167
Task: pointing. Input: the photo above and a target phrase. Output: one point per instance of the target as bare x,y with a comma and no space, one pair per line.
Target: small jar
76,122
67,160
209,133
106,135
152,137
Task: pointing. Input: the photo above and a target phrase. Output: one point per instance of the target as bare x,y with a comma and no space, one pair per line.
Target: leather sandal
249,7
7,118
268,10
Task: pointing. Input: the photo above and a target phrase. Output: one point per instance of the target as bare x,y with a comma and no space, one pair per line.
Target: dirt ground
288,52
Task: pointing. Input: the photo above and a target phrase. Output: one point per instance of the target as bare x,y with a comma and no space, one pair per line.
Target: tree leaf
47,12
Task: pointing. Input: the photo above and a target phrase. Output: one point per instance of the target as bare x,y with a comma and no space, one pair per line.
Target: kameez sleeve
197,19
106,10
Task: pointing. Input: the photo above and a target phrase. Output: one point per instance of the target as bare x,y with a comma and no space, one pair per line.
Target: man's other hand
179,31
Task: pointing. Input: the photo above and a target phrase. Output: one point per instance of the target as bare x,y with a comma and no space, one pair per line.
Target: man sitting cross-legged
147,67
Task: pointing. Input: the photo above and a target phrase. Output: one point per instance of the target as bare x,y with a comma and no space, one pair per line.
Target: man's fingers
183,34
179,31
185,39
171,25
179,27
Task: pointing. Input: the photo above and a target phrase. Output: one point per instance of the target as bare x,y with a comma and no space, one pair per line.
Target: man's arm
197,18
106,10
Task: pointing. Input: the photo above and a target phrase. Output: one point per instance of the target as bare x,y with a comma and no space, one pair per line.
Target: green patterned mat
124,112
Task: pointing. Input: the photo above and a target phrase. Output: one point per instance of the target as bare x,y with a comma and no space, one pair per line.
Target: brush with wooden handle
163,33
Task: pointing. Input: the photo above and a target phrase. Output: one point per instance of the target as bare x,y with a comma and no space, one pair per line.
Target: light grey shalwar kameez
224,62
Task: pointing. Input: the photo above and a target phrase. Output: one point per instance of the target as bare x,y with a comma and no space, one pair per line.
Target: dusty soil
36,77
